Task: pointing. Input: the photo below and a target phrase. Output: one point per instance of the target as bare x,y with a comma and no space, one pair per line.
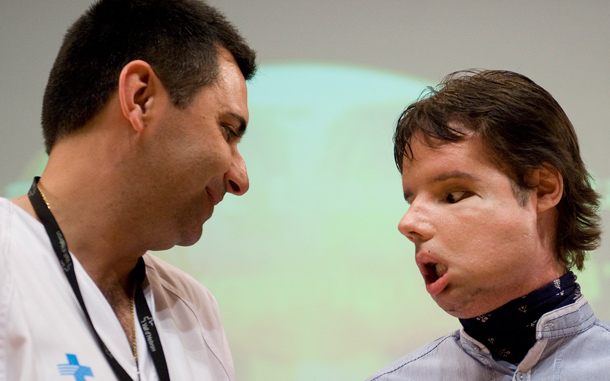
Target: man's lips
433,271
214,195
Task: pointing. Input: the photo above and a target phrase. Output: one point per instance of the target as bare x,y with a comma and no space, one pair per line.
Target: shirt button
521,376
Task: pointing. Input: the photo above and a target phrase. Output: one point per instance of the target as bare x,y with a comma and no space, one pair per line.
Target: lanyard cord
144,316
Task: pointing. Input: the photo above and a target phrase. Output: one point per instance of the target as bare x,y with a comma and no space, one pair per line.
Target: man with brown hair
501,207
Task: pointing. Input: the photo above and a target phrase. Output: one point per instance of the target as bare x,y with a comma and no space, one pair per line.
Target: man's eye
229,133
454,197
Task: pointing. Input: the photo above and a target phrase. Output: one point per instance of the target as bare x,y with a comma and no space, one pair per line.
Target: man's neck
510,330
96,234
104,261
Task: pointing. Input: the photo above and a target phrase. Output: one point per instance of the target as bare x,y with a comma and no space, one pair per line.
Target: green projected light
313,279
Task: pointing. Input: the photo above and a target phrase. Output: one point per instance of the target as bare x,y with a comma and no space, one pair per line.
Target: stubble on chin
470,305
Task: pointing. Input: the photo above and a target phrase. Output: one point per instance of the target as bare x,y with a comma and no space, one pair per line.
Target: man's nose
236,178
416,224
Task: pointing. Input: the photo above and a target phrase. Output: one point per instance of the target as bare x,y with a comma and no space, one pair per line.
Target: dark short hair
522,128
179,39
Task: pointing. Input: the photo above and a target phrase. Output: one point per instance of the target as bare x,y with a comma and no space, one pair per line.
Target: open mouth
433,271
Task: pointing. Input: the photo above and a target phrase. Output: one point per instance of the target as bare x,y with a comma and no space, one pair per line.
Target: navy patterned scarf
510,331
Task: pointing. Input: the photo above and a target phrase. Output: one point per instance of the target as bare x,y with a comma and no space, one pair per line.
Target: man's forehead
419,142
442,159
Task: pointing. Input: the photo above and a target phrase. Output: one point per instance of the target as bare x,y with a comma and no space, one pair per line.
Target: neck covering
510,331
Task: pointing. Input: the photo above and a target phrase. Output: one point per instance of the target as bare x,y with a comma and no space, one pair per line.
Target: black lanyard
145,317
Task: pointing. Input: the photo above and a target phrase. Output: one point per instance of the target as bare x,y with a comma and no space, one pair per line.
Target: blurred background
312,277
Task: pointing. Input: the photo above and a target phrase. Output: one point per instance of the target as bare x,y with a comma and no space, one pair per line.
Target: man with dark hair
142,114
501,208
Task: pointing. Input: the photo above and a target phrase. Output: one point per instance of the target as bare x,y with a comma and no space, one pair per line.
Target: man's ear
138,86
548,184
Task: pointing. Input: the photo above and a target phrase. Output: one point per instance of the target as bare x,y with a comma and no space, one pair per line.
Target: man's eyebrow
444,177
454,175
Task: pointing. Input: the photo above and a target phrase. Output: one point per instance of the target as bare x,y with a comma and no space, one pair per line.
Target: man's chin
457,310
190,239
464,311
190,236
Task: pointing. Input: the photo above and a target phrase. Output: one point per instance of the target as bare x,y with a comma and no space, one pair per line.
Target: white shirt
44,334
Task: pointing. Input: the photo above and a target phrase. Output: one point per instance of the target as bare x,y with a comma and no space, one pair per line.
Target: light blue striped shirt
571,344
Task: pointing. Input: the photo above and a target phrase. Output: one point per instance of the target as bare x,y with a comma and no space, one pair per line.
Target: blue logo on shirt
73,368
